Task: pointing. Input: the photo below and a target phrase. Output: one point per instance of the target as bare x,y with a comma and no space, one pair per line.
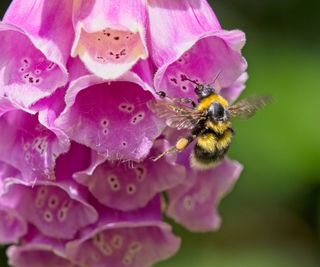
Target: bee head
202,91
217,112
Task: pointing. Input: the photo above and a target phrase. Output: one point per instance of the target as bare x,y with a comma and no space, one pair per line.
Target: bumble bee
209,122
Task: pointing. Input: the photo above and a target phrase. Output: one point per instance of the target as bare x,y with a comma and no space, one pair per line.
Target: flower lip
110,44
122,188
191,204
12,225
34,40
212,55
30,74
29,254
125,242
54,205
30,146
113,116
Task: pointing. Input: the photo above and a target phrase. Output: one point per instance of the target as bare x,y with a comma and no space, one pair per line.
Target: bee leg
181,144
162,94
185,101
169,151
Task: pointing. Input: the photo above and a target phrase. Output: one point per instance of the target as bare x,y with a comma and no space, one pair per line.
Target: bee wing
176,115
247,107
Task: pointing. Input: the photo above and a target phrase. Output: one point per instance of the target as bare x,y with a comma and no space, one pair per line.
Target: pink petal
48,24
194,205
36,250
7,170
232,92
35,256
209,58
110,42
186,39
58,210
12,225
26,73
118,186
28,145
175,24
111,117
138,238
116,245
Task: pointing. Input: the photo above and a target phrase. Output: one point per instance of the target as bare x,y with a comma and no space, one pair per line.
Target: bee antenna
185,78
216,78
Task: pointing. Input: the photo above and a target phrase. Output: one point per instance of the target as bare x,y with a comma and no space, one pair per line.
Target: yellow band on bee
225,140
205,103
207,142
219,127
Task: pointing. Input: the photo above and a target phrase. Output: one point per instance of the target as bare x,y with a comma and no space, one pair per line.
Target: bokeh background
272,217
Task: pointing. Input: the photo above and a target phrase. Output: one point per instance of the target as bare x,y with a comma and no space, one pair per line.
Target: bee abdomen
207,154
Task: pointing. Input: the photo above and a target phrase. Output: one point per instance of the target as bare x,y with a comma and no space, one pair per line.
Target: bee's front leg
184,100
180,145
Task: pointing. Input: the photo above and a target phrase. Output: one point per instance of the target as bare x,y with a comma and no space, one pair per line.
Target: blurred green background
272,217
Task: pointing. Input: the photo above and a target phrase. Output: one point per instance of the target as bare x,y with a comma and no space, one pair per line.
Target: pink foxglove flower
110,35
202,50
78,186
40,35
